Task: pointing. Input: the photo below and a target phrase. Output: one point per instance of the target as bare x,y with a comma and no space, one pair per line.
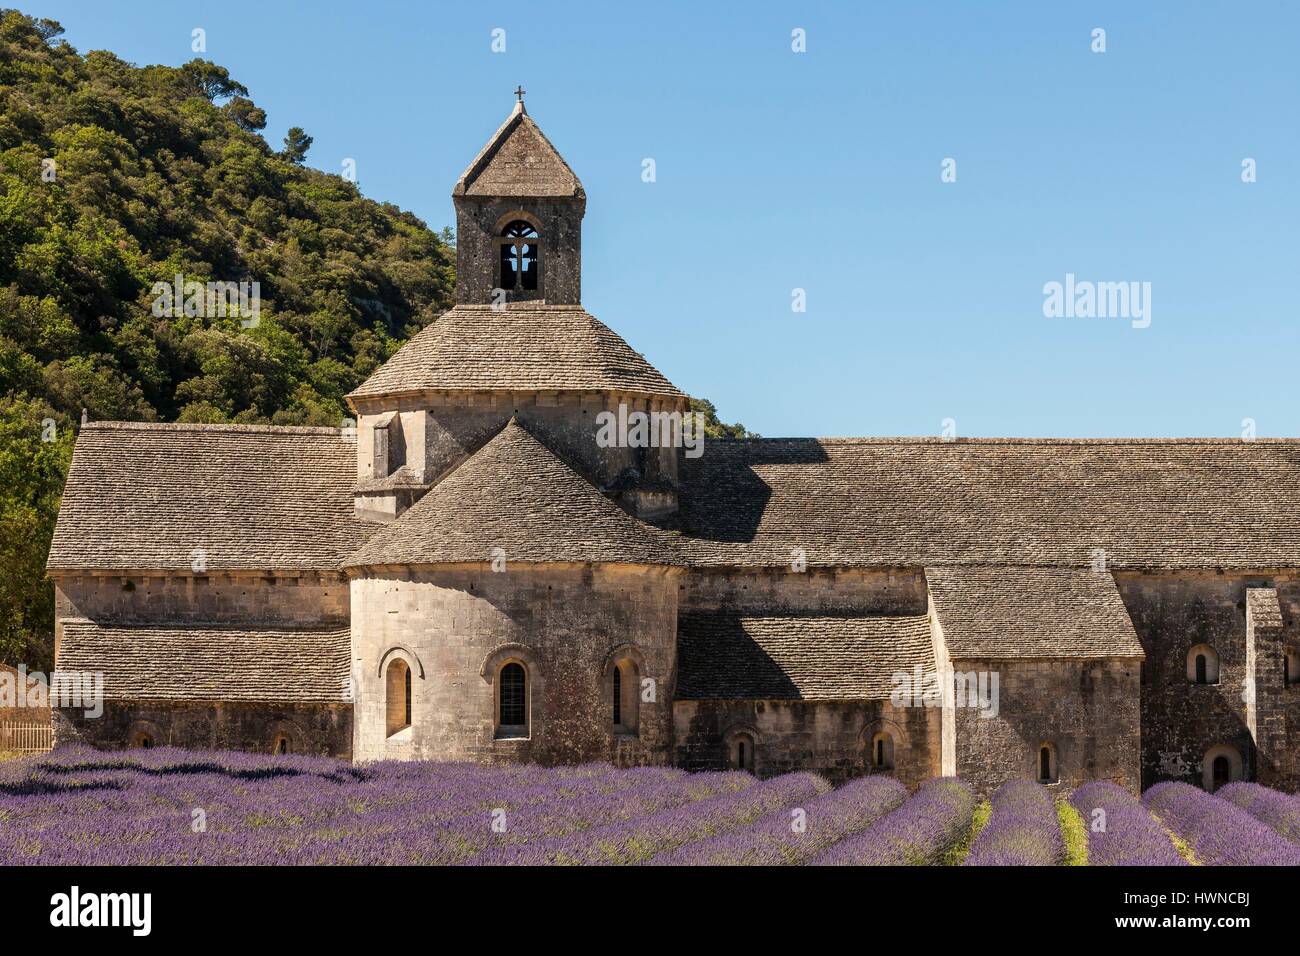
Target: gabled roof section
210,661
1002,613
519,161
207,498
520,348
516,495
726,655
1142,504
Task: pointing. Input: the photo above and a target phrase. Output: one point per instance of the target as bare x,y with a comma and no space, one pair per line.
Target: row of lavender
177,807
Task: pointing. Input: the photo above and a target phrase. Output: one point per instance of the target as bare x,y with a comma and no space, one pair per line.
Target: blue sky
820,171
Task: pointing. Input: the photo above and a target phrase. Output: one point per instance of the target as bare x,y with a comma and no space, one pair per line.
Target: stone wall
456,626
895,592
243,599
828,737
1086,710
319,729
1182,721
215,598
479,223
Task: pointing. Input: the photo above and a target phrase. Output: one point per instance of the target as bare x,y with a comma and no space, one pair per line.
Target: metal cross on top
519,92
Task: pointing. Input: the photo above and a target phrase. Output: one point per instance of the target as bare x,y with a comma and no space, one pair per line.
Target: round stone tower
515,613
518,599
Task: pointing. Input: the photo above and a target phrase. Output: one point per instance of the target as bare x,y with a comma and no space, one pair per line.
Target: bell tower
519,210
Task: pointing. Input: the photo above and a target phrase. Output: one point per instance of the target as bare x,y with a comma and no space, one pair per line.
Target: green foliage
1074,832
115,177
714,427
296,144
956,854
35,448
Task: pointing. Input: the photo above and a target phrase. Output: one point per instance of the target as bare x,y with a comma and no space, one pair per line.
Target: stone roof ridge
210,428
209,624
519,119
981,440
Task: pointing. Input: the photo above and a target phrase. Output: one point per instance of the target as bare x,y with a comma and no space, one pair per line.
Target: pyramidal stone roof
515,495
525,347
519,161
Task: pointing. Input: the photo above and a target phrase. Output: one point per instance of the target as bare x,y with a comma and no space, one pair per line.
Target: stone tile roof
724,655
526,347
516,495
1149,504
210,662
519,161
1017,612
251,497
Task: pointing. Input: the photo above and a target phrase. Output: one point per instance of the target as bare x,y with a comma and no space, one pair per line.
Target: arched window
397,696
1291,668
282,745
741,751
625,681
145,734
1203,665
512,701
1222,765
882,751
1047,771
520,262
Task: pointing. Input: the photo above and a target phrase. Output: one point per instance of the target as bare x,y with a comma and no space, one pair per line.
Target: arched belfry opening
520,256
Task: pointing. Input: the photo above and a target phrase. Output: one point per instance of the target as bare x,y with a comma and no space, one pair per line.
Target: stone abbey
469,574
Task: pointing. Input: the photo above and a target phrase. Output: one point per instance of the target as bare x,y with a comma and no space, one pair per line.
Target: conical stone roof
522,348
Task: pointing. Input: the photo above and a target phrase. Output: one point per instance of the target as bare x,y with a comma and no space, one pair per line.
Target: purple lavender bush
1279,810
635,841
1219,832
789,836
465,836
918,833
1123,833
166,806
1023,830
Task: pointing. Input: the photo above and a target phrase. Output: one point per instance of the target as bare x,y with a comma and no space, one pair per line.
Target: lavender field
167,806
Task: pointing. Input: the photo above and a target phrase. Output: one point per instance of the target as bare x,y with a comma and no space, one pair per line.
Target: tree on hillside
296,144
115,178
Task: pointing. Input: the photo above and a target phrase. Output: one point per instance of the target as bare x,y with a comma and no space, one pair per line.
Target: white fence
26,736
